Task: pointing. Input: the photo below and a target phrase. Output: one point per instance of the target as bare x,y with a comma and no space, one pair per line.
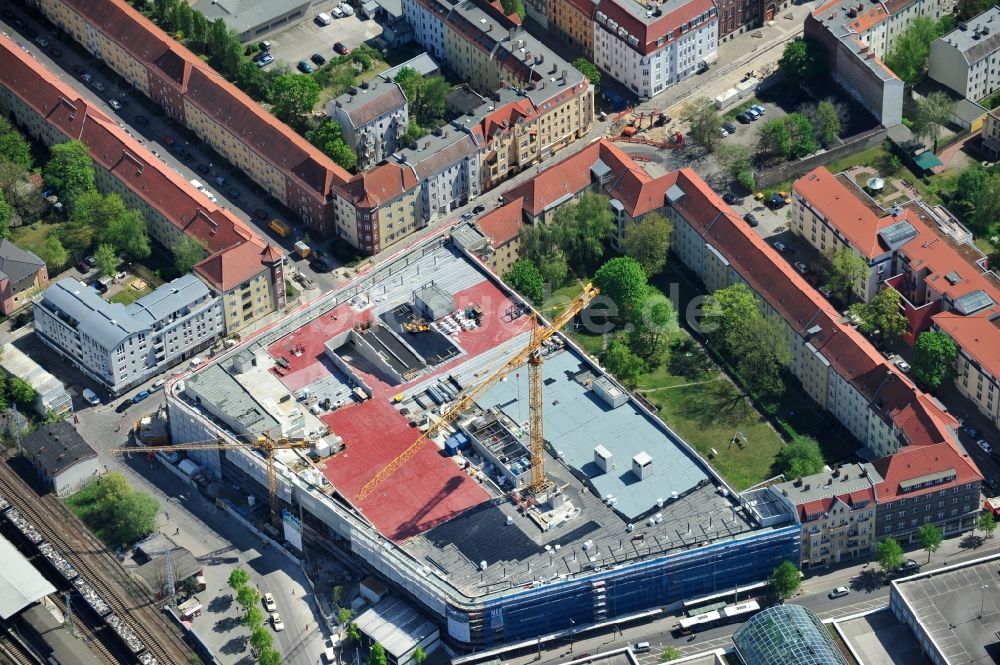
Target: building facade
22,275
61,457
648,50
573,22
991,133
373,118
446,165
378,208
121,346
967,58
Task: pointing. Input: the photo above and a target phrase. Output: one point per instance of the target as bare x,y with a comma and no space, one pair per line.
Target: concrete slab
881,640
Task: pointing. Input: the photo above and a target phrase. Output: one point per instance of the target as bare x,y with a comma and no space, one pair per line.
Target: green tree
582,229
238,579
329,137
725,310
217,38
826,123
889,555
911,50
802,134
648,241
934,358
54,254
111,223
623,280
70,171
881,313
294,95
588,69
433,100
514,7
654,325
540,245
703,122
986,523
933,112
21,392
775,138
747,179
688,359
967,191
735,160
187,253
253,617
622,363
377,655
260,639
6,213
184,19
785,580
269,657
525,278
848,271
247,596
801,60
669,653
410,81
930,539
15,149
354,633
344,615
987,203
107,260
419,655
199,28
802,457
77,237
135,517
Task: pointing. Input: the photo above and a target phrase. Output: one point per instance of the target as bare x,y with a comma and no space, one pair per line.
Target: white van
324,19
197,185
641,647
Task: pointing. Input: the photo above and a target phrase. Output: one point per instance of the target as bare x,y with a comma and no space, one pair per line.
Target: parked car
971,431
304,67
265,46
341,49
478,209
909,567
780,246
202,169
91,261
265,60
722,132
346,8
157,385
729,127
801,267
753,113
83,267
115,104
87,77
55,52
260,214
91,397
168,140
43,41
903,366
744,118
839,592
730,198
139,396
750,219
276,621
269,603
98,86
985,446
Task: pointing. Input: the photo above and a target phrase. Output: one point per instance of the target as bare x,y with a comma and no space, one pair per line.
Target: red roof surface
114,150
648,31
503,224
850,499
382,184
221,100
918,461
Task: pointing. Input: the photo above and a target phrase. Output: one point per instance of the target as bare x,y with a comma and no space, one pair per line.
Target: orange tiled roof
382,184
918,461
503,224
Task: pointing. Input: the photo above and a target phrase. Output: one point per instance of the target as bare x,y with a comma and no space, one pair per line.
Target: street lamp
982,599
571,624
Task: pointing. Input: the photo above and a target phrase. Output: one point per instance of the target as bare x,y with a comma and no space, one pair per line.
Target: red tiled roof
503,224
382,184
979,336
918,461
221,100
850,499
649,31
235,265
110,147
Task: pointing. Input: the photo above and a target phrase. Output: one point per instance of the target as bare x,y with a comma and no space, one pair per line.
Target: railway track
11,651
89,634
98,566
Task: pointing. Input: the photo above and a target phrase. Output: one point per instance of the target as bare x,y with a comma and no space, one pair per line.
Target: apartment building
738,16
195,95
22,274
928,257
857,36
967,58
501,229
447,167
847,510
573,22
120,346
377,208
428,18
991,134
373,117
53,112
649,48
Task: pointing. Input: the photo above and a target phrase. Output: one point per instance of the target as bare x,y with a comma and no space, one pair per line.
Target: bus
718,617
702,609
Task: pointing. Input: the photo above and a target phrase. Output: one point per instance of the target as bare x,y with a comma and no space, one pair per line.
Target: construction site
437,429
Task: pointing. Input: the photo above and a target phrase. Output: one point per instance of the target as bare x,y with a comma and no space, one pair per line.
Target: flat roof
396,626
21,584
57,446
943,602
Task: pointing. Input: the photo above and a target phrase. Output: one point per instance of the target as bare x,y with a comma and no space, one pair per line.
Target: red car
340,48
168,140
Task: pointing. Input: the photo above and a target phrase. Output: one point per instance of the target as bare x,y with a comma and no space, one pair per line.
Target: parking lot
301,41
749,133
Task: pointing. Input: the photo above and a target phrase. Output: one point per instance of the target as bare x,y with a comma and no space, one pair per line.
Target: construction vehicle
416,326
279,227
265,443
530,354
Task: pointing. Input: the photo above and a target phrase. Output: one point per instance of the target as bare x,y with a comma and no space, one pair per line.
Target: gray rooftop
16,263
20,583
244,15
423,64
837,20
216,386
944,602
110,323
583,421
167,299
978,37
438,151
365,104
396,626
830,482
57,446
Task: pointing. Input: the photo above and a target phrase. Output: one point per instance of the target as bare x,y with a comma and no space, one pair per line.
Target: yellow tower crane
530,354
265,443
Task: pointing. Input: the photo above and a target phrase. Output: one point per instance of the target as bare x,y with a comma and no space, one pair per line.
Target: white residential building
650,49
374,119
966,59
447,166
121,346
427,19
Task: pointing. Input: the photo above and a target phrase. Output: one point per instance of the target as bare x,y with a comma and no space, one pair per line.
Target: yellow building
573,22
378,208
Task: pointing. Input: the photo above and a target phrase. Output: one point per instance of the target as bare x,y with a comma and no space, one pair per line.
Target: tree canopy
826,122
802,457
525,278
801,60
934,357
930,539
329,137
238,578
933,112
911,49
789,137
583,228
785,580
114,511
848,271
653,327
648,241
623,280
187,253
14,148
588,69
107,260
622,363
889,555
986,523
108,221
703,122
881,313
293,96
514,7
70,171
376,656
426,96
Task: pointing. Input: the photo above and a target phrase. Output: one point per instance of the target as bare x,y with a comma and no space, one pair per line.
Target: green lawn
740,108
128,295
32,237
867,157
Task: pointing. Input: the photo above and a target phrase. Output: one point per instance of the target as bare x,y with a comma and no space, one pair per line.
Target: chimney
564,73
512,33
527,56
489,26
